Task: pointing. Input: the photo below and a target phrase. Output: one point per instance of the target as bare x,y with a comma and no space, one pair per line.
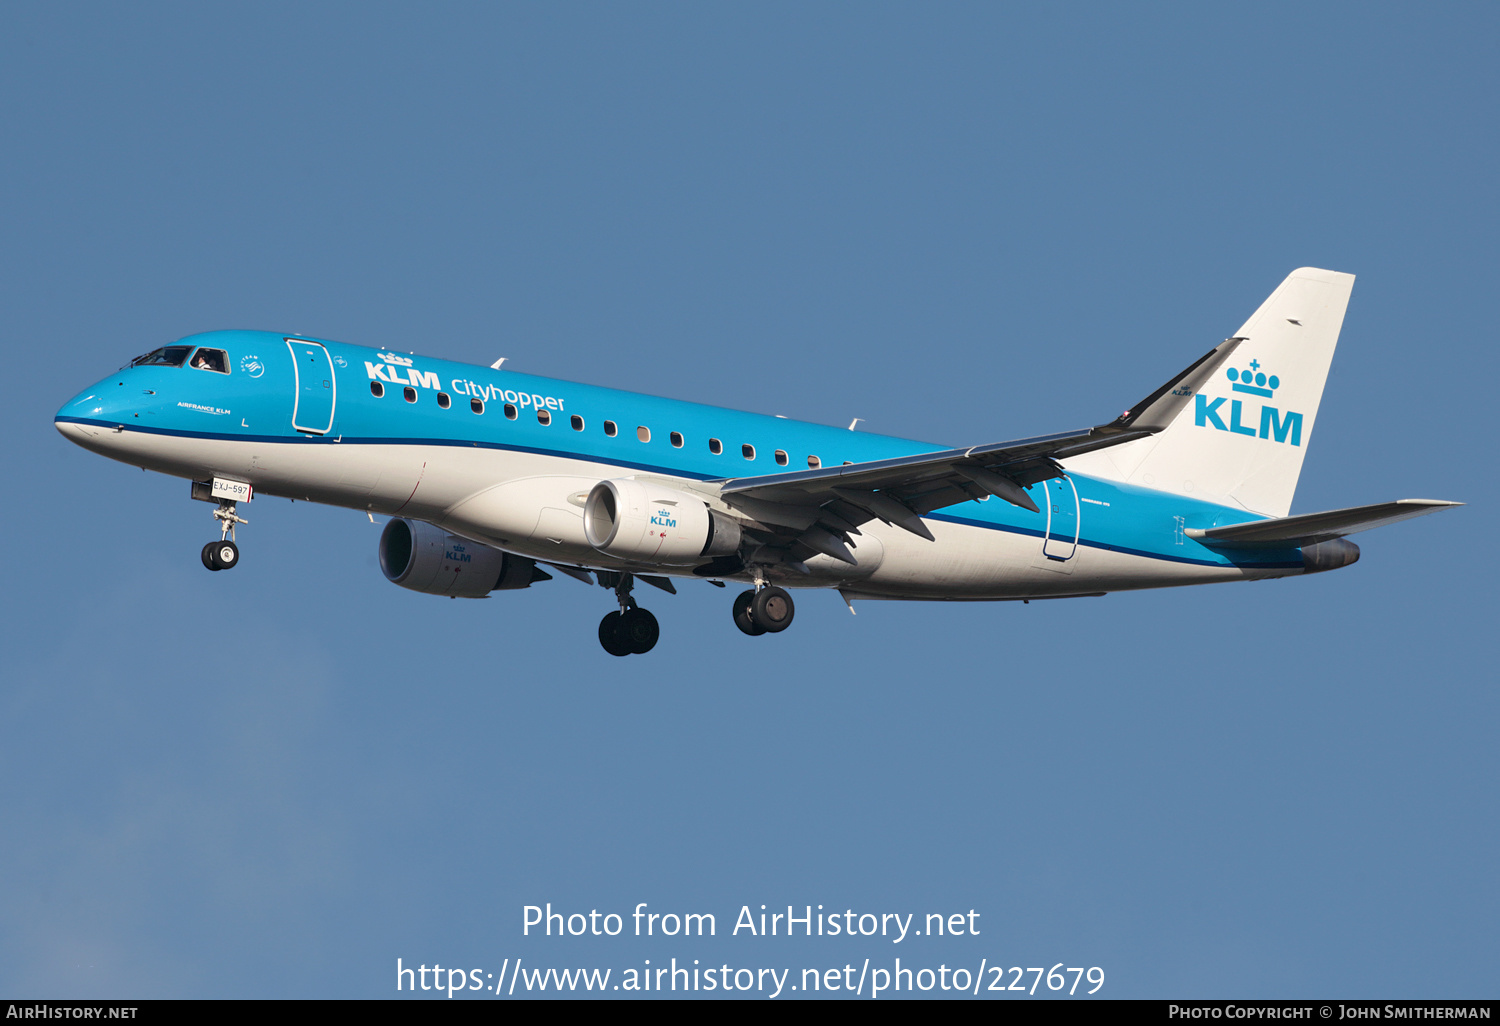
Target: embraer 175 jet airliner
487,473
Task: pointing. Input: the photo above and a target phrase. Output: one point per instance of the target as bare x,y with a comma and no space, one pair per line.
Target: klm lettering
1273,424
663,519
385,372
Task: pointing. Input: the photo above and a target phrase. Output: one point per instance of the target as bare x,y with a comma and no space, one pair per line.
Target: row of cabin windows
410,395
544,418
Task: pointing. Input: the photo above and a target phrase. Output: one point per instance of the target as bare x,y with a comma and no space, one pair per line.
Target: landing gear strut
632,630
224,554
763,610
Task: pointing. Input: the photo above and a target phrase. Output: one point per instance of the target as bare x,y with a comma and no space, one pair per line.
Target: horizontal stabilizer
1311,528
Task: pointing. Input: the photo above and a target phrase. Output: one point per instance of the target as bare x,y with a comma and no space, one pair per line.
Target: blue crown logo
1254,381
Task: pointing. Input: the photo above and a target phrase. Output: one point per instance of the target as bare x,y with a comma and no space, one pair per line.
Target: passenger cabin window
814,463
577,422
781,457
610,429
676,439
166,356
510,412
215,360
444,401
377,389
748,451
715,446
643,433
410,394
543,418
477,405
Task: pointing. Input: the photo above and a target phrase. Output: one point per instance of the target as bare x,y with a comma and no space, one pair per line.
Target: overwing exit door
316,389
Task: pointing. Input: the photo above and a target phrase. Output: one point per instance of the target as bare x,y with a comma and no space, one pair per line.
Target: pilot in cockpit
210,360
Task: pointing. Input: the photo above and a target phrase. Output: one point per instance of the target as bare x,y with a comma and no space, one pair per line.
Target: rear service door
1062,520
316,387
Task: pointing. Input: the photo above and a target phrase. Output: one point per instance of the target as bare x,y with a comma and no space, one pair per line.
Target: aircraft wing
812,511
1310,528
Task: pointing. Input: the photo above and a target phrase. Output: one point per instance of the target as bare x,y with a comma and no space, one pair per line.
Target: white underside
532,505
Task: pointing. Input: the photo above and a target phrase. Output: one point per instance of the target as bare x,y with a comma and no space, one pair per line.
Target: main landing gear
763,610
632,630
224,554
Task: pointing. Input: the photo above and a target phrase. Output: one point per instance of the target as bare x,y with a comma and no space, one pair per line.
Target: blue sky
962,223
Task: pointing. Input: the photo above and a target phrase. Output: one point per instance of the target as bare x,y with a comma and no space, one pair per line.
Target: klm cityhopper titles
489,475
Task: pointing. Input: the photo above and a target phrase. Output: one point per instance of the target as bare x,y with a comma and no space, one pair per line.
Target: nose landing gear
224,554
764,610
632,630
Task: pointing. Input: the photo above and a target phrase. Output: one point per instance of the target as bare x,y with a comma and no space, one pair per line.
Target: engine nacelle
648,523
416,555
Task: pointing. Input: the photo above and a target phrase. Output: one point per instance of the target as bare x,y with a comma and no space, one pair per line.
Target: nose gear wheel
221,555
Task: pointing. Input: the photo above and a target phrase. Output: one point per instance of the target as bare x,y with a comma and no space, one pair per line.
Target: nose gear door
316,387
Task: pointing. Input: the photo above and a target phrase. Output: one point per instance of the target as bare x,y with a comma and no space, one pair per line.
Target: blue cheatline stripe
649,467
456,443
1095,544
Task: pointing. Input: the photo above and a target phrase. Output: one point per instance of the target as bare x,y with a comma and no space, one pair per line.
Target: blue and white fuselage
510,461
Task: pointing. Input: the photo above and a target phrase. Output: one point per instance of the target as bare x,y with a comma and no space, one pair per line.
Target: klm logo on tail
1273,425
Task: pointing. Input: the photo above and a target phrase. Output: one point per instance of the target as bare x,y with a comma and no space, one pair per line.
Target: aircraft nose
78,419
74,431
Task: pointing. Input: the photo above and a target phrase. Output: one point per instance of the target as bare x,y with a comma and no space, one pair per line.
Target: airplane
488,475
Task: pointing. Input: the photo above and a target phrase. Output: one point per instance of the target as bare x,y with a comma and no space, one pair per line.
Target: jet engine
416,555
648,523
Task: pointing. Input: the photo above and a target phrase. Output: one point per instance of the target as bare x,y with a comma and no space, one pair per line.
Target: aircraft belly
531,504
536,509
967,562
193,458
962,561
544,508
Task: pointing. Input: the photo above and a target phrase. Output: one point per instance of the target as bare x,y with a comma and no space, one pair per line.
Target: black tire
225,554
772,609
639,630
208,556
742,618
611,637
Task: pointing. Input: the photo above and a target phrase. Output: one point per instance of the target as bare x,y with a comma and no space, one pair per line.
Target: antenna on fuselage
855,421
497,363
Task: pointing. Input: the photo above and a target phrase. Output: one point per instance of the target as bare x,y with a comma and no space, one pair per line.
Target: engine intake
419,556
633,520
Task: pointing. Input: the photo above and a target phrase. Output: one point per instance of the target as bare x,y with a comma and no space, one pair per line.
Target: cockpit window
212,360
166,356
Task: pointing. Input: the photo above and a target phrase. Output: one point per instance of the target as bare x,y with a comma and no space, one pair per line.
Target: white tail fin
1242,439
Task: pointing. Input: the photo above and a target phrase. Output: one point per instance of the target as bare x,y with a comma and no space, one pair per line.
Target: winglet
1161,407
